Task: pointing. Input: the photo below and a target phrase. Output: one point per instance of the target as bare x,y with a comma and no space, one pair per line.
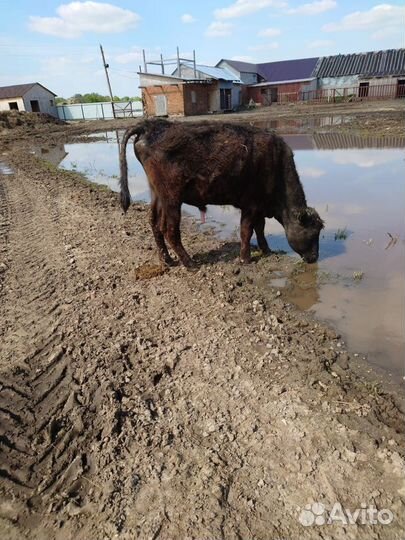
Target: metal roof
371,64
287,70
242,67
284,70
267,83
212,72
18,90
217,73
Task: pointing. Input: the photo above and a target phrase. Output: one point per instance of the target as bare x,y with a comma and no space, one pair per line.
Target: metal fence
341,95
100,111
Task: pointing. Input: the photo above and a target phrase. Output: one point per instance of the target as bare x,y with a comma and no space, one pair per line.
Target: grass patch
358,276
341,234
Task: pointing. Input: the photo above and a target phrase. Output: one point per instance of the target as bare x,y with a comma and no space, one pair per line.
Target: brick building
190,91
272,82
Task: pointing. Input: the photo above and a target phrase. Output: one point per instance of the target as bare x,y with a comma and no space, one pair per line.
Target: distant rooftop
287,69
284,70
213,72
372,64
18,90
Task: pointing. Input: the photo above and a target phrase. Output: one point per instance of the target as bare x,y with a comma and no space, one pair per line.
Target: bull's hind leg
155,220
261,239
172,216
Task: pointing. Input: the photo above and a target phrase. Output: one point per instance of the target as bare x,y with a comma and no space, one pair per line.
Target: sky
57,44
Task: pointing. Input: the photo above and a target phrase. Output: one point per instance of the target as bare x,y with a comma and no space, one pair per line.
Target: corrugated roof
212,72
217,73
18,90
371,64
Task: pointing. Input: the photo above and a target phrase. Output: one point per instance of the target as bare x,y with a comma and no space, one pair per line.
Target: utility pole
106,66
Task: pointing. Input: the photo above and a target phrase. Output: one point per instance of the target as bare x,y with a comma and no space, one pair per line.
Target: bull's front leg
261,239
246,231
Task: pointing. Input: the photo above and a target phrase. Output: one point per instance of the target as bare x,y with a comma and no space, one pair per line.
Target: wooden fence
341,95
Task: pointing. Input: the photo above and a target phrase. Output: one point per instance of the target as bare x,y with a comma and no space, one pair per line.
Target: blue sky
57,44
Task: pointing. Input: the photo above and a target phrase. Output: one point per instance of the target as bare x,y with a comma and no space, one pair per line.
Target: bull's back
208,163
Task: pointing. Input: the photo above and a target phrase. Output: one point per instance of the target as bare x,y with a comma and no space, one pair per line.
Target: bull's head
302,230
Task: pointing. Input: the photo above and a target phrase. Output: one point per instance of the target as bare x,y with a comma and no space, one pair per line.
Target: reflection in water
356,184
302,289
55,153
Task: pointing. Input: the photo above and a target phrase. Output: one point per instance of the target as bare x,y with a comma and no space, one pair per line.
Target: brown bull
213,163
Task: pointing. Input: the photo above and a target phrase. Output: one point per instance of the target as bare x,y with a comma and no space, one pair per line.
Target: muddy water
357,185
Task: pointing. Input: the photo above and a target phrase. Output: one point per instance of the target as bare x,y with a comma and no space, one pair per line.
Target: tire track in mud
37,391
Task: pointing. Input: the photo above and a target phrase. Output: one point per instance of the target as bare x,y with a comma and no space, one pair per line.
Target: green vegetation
341,234
93,97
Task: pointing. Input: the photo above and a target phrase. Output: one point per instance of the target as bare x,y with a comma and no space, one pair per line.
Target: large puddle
357,185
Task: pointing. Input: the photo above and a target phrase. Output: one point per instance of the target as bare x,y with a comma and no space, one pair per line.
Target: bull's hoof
266,252
189,264
168,261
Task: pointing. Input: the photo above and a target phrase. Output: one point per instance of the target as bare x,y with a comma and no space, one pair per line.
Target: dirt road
137,403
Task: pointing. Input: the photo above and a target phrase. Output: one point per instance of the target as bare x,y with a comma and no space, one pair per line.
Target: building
32,97
190,90
378,74
272,82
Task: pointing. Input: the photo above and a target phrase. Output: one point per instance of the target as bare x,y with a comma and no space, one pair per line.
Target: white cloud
187,18
312,172
77,18
313,8
219,29
265,46
321,44
245,7
381,18
365,159
135,55
269,32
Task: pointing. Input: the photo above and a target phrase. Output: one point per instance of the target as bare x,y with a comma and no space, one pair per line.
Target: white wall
44,97
339,82
4,104
156,80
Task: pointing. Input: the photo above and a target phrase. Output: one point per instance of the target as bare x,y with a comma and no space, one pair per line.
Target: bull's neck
293,198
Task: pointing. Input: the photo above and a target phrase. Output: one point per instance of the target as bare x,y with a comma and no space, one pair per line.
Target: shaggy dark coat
214,163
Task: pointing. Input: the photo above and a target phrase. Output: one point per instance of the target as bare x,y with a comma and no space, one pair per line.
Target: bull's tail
125,195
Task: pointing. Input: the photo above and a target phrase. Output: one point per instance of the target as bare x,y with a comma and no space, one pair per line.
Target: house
32,97
190,90
271,82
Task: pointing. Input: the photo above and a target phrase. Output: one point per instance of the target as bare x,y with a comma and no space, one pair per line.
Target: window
13,106
193,96
51,102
